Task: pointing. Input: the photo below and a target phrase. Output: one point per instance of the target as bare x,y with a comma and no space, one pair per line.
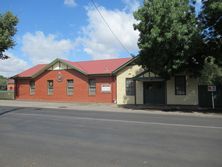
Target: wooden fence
7,95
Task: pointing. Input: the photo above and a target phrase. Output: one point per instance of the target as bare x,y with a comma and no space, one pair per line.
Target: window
130,87
92,86
70,87
32,87
180,85
50,87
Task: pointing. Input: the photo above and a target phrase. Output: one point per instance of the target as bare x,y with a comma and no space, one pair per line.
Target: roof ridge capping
101,66
95,60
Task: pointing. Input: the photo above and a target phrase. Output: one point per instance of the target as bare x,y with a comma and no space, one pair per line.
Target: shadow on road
11,110
173,108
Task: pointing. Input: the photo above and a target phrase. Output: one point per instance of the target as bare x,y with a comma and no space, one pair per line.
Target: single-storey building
151,89
118,81
11,84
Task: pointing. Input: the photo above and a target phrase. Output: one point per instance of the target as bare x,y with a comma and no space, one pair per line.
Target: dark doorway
154,93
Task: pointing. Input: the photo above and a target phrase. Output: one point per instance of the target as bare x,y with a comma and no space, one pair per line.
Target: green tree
210,20
8,24
211,24
3,81
169,37
211,73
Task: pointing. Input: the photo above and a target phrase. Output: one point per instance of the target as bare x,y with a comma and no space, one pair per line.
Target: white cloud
12,66
70,3
41,48
97,39
131,5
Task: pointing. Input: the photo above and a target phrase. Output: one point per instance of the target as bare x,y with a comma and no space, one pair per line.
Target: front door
154,92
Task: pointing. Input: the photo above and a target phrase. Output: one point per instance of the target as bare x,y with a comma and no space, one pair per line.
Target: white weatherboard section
59,66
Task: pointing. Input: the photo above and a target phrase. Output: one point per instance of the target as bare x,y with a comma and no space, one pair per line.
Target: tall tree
210,19
8,24
169,37
3,81
211,73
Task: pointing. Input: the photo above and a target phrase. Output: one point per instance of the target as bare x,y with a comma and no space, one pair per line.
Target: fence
7,95
205,96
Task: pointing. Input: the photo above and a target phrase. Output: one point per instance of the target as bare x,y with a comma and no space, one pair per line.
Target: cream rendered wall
129,72
191,97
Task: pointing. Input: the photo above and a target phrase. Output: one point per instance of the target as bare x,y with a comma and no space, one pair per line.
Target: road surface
38,137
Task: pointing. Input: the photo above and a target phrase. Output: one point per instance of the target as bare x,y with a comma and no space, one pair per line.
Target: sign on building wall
106,88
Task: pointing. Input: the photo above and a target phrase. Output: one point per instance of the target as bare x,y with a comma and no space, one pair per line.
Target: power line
94,4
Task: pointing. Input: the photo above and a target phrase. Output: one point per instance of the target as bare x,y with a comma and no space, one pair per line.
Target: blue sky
69,29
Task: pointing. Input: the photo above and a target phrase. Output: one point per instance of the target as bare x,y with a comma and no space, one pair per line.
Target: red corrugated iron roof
29,72
10,81
106,66
99,66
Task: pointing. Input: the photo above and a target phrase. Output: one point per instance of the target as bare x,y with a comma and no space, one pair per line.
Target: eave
124,65
54,62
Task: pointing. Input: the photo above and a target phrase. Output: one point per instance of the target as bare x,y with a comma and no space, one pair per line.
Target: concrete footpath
103,107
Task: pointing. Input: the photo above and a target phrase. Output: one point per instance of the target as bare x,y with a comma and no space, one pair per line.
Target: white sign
211,88
105,88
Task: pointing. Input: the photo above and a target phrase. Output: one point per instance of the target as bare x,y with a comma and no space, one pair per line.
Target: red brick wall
80,88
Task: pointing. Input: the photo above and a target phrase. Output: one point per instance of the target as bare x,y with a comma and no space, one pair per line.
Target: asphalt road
35,137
